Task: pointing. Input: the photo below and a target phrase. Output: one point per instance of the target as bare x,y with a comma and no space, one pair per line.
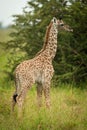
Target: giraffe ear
54,19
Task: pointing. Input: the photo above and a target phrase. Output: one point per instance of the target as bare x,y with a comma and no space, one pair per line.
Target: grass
68,111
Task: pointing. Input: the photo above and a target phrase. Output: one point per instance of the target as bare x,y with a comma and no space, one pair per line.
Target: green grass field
68,111
68,104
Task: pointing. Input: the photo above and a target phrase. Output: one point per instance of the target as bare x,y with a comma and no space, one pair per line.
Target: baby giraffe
38,70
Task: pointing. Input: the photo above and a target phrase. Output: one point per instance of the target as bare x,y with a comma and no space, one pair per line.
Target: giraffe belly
39,77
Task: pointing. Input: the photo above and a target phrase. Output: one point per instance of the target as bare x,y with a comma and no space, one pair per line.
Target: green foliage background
28,33
68,102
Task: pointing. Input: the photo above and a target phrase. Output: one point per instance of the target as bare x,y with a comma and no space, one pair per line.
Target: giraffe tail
17,85
14,97
14,101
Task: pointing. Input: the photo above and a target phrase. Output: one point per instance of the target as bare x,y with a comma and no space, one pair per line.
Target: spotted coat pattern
37,70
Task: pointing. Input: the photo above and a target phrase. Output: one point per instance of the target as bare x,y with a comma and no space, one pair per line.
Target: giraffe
38,70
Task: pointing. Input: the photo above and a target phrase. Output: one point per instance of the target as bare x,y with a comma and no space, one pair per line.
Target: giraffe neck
51,46
50,43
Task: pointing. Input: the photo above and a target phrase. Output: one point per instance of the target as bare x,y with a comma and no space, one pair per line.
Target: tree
29,28
29,31
78,13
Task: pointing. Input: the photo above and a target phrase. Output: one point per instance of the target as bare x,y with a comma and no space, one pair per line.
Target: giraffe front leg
39,94
47,94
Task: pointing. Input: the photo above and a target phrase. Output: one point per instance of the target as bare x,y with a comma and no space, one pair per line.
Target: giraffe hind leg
20,101
21,97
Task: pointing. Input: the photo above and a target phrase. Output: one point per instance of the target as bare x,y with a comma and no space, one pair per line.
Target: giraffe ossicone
38,70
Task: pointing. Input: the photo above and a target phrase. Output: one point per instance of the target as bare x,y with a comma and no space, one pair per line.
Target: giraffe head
60,25
63,26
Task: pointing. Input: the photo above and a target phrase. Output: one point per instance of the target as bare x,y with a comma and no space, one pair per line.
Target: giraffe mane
46,39
47,35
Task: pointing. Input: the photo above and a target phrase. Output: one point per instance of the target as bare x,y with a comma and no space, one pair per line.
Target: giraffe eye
62,24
